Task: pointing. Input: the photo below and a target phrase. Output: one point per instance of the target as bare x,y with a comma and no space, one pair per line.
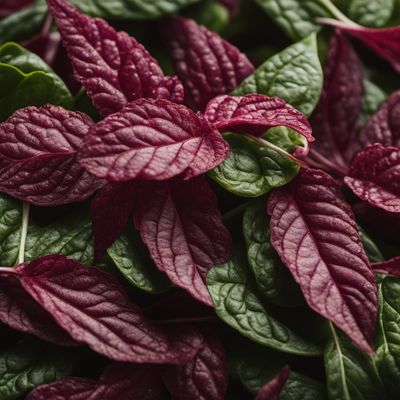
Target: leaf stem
237,210
24,232
336,13
8,271
327,163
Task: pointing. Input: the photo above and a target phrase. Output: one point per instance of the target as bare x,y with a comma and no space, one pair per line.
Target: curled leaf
314,233
255,113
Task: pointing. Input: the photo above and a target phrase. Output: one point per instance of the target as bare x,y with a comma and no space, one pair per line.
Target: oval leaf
154,140
374,176
38,149
314,233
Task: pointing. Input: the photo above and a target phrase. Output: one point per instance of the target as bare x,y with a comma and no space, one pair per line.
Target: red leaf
255,113
384,126
155,140
206,64
19,311
110,211
314,233
205,377
384,41
9,6
273,389
391,267
38,148
118,381
374,176
94,309
112,66
180,223
339,108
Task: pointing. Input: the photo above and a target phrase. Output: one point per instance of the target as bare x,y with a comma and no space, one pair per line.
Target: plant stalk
24,232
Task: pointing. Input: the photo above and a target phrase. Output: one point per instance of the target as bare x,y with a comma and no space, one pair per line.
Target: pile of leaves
199,199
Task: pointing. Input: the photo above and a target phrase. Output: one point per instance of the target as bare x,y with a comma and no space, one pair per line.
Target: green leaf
351,373
273,279
132,259
374,254
295,17
251,169
23,24
10,229
131,9
388,338
30,364
27,62
237,302
372,13
209,13
295,75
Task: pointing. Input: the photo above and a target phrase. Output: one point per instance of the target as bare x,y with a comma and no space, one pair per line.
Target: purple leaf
384,41
384,126
154,140
118,381
38,148
390,267
19,311
335,118
112,66
273,389
255,113
110,211
205,377
181,225
206,64
9,6
94,309
314,233
374,176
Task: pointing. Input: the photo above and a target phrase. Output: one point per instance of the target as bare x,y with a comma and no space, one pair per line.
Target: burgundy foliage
391,267
182,228
112,66
19,311
205,377
255,113
206,64
118,381
272,389
314,233
94,309
38,149
338,110
152,139
374,176
9,6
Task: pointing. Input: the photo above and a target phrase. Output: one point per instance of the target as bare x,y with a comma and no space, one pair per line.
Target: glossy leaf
153,140
124,381
112,66
387,357
295,17
27,62
273,389
384,126
272,278
38,149
29,364
132,259
383,41
390,267
374,176
182,227
94,309
19,311
351,374
372,13
252,170
255,113
335,118
275,76
206,64
205,377
314,233
237,303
